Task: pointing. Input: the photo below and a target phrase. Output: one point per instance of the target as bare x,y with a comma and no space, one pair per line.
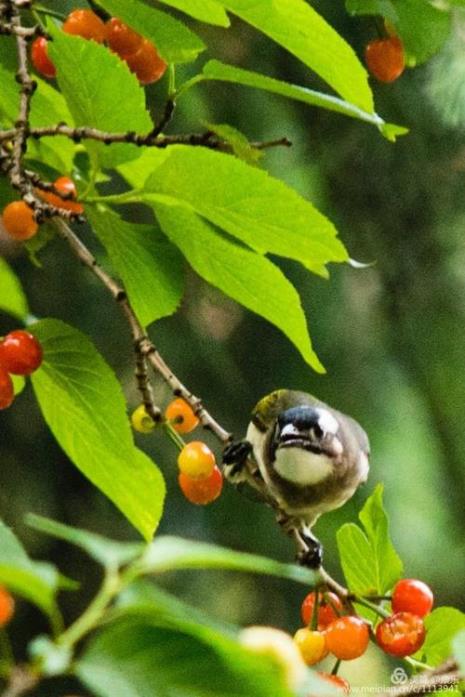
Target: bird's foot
312,557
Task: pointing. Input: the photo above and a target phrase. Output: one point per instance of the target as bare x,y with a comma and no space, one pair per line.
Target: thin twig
21,681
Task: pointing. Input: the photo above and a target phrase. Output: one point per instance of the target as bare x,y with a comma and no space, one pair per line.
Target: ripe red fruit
411,595
122,39
385,58
147,65
85,23
66,187
181,416
336,681
326,609
401,634
347,637
18,221
7,606
40,59
7,392
202,491
20,353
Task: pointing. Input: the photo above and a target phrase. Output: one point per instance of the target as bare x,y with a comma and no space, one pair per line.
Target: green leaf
238,142
37,582
245,276
208,11
133,657
301,30
458,648
107,552
442,625
84,407
369,561
174,41
215,70
95,83
150,267
12,298
245,201
173,553
384,8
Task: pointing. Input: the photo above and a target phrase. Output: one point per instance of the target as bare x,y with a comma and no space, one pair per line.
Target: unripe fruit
122,39
40,59
385,58
268,641
196,460
86,24
202,491
312,645
20,353
146,63
141,421
18,221
181,416
7,392
66,187
336,681
329,604
401,634
411,595
347,637
7,606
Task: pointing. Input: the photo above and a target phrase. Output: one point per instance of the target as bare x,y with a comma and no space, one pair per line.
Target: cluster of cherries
200,479
140,54
20,354
327,630
18,218
385,58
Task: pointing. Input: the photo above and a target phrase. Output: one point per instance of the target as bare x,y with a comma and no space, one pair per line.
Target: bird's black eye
317,431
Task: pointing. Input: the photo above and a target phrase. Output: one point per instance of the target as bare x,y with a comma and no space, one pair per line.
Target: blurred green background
391,336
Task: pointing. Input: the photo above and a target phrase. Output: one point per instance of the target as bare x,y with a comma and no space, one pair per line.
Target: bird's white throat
302,467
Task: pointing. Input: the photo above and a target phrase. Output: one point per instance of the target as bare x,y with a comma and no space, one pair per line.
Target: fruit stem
336,666
316,607
372,606
174,435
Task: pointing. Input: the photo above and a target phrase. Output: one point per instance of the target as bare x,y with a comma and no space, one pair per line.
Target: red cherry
18,221
7,606
401,634
122,39
202,491
66,187
146,63
7,392
40,59
326,609
385,58
20,353
347,637
411,595
85,23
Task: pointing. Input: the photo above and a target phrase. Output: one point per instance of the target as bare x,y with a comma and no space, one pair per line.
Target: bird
303,458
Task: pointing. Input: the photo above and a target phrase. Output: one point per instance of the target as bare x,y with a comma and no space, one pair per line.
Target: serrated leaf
442,625
84,407
150,267
133,657
245,276
12,298
174,41
107,552
369,561
261,211
208,11
37,582
174,553
95,83
301,30
48,106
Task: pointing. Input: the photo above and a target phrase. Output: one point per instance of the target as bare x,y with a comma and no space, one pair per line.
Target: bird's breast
302,467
